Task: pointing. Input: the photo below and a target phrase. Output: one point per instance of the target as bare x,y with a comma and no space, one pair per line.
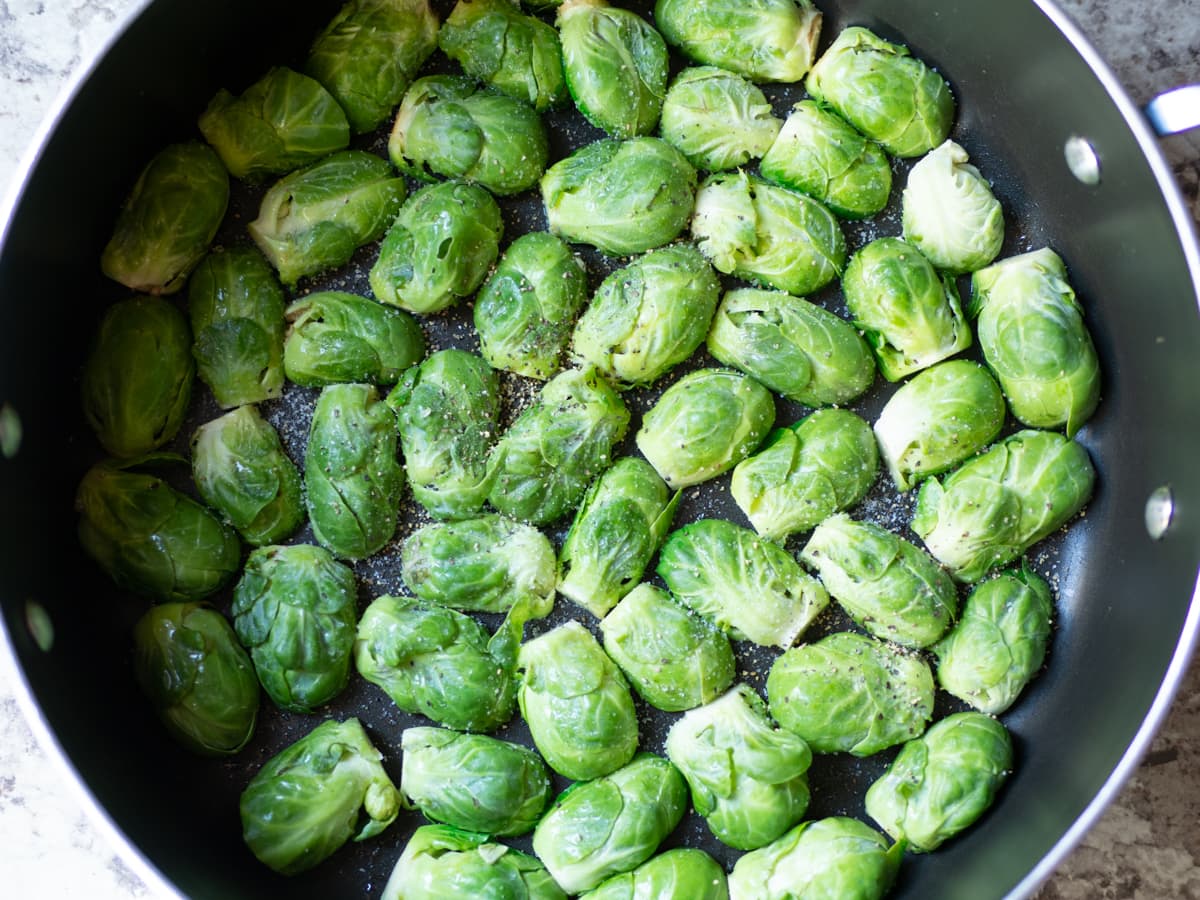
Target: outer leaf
717,119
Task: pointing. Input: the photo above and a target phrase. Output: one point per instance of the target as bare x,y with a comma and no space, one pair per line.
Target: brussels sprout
543,464
236,308
820,154
615,65
849,693
910,316
150,538
1033,338
516,54
821,465
944,415
168,220
704,424
294,610
717,119
577,704
767,234
999,643
439,249
315,218
747,776
448,413
890,587
622,197
612,824
445,863
368,54
680,874
474,782
486,564
765,40
312,797
795,348
994,507
649,315
674,658
283,121
240,469
337,338
939,784
525,311
750,587
449,126
201,683
137,379
624,517
351,473
825,858
440,663
885,93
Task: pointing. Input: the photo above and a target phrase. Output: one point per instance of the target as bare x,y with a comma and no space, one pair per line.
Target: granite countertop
1145,847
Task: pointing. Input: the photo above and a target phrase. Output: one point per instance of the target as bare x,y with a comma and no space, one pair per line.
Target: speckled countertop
1146,846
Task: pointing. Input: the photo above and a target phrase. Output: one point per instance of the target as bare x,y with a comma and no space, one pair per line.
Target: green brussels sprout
486,564
516,54
767,234
618,528
910,316
151,539
576,703
765,40
444,863
944,415
821,155
994,507
612,824
939,784
705,424
439,249
335,338
824,858
795,348
889,586
849,693
1033,337
440,663
241,470
717,119
368,54
821,465
294,609
168,220
999,643
236,308
309,799
525,311
615,64
201,683
648,316
674,659
474,782
885,93
543,464
315,218
747,777
750,587
680,874
622,197
137,379
351,474
282,122
448,414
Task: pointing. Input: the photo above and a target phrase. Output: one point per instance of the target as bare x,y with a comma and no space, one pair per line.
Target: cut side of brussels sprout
717,119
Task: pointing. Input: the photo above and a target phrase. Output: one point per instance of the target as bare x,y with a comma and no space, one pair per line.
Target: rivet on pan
1160,509
41,629
10,431
1082,159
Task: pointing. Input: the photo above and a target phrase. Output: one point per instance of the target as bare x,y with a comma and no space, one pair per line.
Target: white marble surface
1146,847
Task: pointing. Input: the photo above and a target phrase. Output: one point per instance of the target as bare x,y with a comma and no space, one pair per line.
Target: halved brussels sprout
683,873
717,119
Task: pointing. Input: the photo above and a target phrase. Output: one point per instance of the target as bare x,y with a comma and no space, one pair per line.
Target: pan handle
1176,110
